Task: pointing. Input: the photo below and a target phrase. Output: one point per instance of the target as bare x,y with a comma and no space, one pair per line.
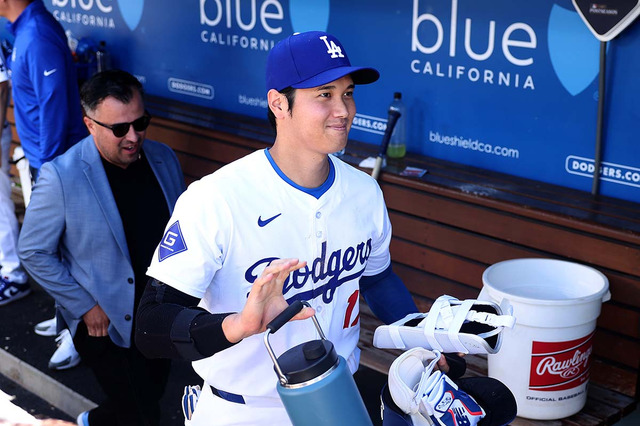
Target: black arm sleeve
169,325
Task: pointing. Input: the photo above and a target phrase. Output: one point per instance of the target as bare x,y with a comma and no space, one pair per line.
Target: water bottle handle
275,325
285,316
290,312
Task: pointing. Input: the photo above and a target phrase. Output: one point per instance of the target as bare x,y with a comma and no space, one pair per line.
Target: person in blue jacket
95,218
48,114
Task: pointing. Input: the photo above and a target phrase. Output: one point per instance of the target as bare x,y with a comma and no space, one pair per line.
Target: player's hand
458,364
96,321
442,364
264,303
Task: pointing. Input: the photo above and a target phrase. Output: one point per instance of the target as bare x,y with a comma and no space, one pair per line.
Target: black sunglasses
121,129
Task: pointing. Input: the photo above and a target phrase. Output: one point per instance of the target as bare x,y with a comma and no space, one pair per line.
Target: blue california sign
502,85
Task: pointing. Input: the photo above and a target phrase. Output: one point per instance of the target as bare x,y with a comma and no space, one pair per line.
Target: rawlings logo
567,368
560,365
320,269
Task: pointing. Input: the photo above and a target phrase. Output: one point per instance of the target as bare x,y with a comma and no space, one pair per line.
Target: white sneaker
66,355
10,290
46,328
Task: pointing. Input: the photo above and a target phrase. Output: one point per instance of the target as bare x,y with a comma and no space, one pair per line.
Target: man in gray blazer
96,215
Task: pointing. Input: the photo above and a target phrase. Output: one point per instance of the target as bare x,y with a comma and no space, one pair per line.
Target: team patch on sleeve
172,242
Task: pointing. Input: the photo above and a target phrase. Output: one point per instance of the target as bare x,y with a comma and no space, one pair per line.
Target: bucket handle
505,304
275,325
484,295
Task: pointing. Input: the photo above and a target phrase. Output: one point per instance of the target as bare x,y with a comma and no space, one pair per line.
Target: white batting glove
189,400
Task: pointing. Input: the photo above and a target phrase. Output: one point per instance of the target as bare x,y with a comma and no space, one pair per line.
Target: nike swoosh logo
10,292
262,223
48,73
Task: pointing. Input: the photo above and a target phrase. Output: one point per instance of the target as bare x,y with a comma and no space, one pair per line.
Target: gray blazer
72,241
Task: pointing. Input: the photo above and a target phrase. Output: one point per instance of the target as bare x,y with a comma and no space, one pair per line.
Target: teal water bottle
315,384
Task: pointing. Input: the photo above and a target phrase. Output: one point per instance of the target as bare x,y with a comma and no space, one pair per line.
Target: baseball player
286,223
13,278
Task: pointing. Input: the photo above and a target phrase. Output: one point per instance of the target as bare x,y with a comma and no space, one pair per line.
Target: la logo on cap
332,48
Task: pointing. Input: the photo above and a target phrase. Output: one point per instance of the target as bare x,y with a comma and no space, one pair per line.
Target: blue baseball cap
311,59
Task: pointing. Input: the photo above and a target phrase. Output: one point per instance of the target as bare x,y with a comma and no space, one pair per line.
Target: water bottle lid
397,95
307,361
313,350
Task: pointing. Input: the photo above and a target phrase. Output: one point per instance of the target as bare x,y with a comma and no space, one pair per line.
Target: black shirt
143,211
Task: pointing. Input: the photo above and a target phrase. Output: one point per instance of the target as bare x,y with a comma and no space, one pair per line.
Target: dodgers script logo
131,11
309,15
322,267
559,366
572,49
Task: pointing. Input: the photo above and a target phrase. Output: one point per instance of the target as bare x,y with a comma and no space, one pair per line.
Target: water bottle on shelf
397,144
72,42
103,60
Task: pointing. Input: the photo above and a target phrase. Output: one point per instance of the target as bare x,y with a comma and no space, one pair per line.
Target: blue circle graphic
309,15
131,11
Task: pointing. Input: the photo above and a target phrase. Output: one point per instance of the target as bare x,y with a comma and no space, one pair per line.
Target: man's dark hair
115,83
290,94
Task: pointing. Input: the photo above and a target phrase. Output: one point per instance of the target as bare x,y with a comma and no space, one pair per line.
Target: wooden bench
454,222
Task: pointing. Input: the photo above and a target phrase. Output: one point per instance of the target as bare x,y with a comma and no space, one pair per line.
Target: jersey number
353,300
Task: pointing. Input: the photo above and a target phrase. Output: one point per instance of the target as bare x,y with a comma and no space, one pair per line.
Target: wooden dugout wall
454,222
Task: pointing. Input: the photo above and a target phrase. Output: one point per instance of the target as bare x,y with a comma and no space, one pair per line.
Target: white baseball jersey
227,227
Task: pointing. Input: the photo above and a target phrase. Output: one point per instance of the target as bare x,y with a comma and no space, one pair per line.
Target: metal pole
598,153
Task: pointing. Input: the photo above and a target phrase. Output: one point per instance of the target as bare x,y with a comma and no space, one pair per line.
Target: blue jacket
45,87
72,241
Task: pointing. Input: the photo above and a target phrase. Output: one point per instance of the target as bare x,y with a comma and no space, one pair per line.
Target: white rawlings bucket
544,360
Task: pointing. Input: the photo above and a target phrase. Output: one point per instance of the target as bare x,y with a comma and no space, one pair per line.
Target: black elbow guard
194,332
181,334
167,313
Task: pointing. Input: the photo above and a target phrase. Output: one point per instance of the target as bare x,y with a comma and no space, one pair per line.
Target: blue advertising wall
505,85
